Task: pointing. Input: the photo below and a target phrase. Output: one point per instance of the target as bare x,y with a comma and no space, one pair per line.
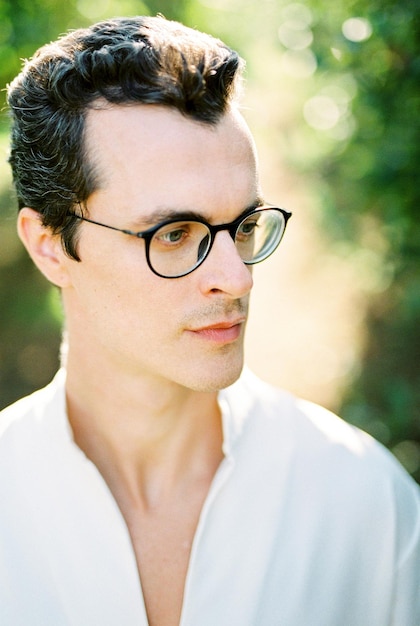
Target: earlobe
43,247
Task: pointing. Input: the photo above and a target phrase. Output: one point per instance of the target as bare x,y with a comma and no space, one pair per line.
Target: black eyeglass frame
231,227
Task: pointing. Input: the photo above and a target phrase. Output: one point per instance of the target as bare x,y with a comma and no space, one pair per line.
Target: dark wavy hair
125,60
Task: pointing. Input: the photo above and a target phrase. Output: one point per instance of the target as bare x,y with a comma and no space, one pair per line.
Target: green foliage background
353,105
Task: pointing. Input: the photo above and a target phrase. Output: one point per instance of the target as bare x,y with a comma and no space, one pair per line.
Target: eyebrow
165,214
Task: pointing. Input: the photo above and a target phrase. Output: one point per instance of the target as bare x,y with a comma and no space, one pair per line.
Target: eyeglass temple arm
126,231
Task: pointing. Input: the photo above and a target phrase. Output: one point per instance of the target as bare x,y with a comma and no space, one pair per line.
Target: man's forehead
155,121
161,163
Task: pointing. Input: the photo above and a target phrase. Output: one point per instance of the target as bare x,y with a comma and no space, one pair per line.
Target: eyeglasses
176,247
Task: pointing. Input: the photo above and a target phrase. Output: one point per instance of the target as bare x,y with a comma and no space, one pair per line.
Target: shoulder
320,445
263,406
315,460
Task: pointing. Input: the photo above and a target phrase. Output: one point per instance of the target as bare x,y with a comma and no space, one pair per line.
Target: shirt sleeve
407,587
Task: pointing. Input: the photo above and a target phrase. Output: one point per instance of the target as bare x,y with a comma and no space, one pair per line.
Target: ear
43,246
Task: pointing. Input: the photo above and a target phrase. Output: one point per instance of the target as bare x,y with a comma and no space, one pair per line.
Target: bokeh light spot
357,29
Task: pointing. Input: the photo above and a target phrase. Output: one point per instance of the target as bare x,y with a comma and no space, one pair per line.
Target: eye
247,228
173,234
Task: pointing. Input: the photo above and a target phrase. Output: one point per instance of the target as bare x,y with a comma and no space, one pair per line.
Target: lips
220,332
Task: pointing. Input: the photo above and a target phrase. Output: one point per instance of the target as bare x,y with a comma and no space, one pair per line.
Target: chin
219,378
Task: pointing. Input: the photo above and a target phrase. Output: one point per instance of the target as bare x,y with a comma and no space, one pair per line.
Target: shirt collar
235,405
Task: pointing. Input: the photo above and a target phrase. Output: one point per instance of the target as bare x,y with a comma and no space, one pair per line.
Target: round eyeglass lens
177,248
259,234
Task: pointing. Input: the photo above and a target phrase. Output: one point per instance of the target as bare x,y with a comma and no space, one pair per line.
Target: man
152,482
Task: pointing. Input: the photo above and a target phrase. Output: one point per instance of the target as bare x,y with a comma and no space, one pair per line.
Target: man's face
151,160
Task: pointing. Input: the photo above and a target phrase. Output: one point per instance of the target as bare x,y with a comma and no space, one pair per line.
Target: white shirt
308,522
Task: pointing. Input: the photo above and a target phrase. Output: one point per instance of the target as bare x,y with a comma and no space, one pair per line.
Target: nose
223,271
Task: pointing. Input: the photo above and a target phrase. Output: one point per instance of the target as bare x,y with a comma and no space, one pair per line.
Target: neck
146,437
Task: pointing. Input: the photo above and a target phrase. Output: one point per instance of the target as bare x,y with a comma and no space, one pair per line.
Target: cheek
118,292
133,303
106,273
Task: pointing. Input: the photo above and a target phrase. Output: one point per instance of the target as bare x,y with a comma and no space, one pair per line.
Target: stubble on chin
217,374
